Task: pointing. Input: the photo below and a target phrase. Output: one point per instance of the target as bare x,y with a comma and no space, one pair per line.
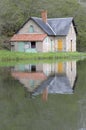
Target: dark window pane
33,45
33,68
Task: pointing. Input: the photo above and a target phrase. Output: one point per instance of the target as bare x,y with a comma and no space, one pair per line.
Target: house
45,35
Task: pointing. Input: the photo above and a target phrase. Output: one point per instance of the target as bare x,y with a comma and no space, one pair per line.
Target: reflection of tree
82,123
5,72
8,86
18,112
81,92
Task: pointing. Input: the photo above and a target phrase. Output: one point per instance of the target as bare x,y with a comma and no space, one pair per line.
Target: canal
43,96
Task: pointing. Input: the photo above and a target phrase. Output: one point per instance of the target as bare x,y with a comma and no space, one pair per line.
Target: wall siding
71,37
25,29
39,46
21,46
49,44
46,44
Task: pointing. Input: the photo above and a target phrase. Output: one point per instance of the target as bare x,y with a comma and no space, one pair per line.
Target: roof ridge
60,18
53,18
51,28
45,27
36,17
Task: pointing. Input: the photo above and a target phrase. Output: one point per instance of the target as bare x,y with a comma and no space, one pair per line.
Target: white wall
49,44
71,37
46,45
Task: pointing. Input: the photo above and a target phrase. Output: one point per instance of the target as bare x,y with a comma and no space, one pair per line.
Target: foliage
14,13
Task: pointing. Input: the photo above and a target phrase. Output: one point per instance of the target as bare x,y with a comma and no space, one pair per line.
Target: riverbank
11,56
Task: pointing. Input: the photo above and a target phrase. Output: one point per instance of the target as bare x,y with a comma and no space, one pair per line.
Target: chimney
44,16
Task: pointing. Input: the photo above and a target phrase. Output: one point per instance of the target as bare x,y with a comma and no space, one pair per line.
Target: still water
48,96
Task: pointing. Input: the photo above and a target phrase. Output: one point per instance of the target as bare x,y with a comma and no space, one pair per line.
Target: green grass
11,56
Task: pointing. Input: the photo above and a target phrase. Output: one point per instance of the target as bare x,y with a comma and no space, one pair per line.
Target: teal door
21,46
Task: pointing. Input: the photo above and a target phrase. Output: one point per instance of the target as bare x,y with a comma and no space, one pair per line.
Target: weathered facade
45,35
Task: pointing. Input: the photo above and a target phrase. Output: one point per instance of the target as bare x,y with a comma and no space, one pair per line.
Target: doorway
60,44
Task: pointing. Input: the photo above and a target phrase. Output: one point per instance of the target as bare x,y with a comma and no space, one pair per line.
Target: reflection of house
47,78
82,129
67,68
44,35
82,114
58,83
61,82
30,79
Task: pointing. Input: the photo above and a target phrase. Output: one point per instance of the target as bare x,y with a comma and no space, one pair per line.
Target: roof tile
28,37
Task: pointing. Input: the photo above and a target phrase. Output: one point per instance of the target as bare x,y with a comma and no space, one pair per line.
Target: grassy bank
11,56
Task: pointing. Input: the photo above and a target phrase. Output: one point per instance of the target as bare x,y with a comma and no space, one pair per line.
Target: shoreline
11,56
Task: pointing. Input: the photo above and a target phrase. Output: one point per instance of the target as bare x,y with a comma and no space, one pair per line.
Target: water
48,96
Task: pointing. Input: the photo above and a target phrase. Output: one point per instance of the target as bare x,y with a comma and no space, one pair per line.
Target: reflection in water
82,123
62,111
47,78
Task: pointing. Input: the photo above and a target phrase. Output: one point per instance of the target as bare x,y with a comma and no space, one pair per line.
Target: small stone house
45,35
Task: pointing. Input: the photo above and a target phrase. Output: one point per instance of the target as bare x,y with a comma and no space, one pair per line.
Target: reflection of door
60,45
60,67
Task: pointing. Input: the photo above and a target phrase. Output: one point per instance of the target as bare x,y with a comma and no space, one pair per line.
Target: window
27,45
31,29
33,45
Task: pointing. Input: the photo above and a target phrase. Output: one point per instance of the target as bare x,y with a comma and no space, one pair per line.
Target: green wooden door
21,46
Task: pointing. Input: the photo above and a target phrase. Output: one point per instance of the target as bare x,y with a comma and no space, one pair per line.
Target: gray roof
44,26
60,25
56,84
55,26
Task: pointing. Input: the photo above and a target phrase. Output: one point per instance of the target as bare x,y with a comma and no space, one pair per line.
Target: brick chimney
44,16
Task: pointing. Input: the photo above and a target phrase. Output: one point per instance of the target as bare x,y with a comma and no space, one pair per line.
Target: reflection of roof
33,76
28,37
56,84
